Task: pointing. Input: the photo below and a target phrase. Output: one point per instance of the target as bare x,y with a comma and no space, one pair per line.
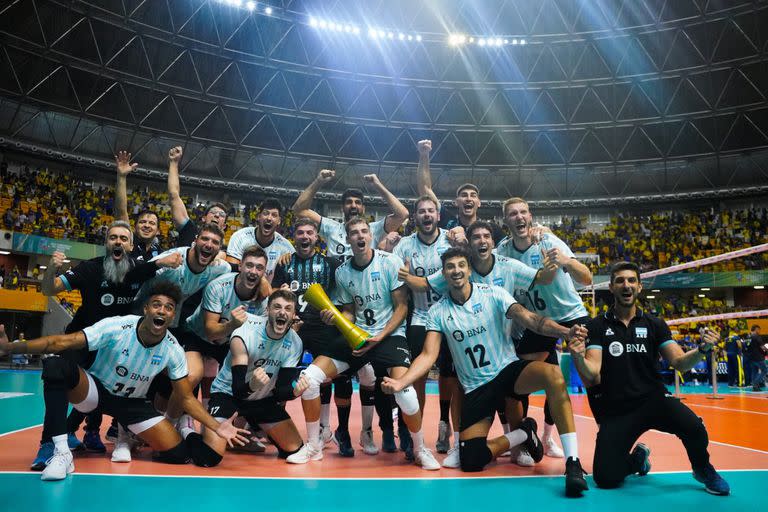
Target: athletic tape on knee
343,387
366,376
474,454
315,376
408,401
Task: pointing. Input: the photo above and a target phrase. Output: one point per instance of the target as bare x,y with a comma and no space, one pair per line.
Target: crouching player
257,376
132,350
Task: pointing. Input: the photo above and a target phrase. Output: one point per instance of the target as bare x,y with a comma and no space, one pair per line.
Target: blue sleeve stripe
667,343
595,347
66,282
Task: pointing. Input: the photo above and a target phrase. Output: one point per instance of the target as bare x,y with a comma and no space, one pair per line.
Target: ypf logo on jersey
122,371
616,349
107,299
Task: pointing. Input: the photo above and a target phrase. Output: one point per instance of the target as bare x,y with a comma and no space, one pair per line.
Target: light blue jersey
335,236
559,300
424,261
220,297
264,352
182,276
246,237
475,333
123,365
369,289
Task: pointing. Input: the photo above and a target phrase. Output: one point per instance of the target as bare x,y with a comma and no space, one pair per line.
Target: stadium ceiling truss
610,99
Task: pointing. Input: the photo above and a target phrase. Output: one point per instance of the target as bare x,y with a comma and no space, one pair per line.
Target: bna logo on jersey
294,286
477,308
340,248
107,299
616,349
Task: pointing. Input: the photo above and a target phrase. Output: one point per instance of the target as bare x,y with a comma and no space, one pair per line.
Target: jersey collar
610,315
360,269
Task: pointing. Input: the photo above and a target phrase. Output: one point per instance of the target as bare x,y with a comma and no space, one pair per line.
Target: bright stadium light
522,41
322,24
418,38
390,35
514,42
382,34
312,22
410,37
251,6
650,297
499,42
481,42
401,36
356,30
348,29
268,10
759,287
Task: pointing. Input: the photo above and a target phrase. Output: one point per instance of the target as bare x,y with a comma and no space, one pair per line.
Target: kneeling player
132,350
248,381
472,317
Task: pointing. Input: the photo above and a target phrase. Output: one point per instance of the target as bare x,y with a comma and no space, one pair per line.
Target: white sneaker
551,449
326,434
443,437
305,454
453,460
426,460
58,466
123,446
521,457
366,442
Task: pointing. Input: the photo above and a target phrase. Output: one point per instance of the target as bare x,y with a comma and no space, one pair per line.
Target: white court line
727,409
313,478
20,430
668,434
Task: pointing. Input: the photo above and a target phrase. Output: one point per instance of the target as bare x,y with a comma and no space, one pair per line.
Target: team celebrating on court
486,310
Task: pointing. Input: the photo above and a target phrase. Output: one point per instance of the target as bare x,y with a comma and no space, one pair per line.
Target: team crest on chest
375,276
477,308
641,332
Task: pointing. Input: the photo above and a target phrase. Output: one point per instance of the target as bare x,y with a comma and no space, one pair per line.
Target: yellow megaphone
355,336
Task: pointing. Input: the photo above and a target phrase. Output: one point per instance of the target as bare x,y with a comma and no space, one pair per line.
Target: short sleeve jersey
369,289
220,296
246,237
629,370
424,260
475,333
558,300
335,236
123,364
183,277
263,351
300,273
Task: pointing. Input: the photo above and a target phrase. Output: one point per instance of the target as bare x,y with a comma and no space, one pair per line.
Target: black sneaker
641,462
575,484
406,443
713,482
388,441
342,440
533,443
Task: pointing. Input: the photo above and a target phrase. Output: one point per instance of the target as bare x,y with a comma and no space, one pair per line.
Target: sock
456,439
570,445
516,437
505,427
368,417
313,432
445,410
418,440
343,412
325,414
547,431
186,426
524,401
60,443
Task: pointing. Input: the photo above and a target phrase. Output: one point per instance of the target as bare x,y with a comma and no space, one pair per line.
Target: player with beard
147,225
421,253
619,361
132,351
374,298
352,205
488,268
559,301
216,213
305,268
261,352
264,235
107,286
472,318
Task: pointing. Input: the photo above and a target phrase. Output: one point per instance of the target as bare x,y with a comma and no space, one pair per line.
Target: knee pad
367,397
343,387
325,393
315,376
407,401
366,376
60,373
474,454
201,454
179,454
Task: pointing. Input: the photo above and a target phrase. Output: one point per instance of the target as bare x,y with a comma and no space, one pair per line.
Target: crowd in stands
59,205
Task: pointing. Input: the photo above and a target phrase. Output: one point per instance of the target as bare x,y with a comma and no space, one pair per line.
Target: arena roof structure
565,102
